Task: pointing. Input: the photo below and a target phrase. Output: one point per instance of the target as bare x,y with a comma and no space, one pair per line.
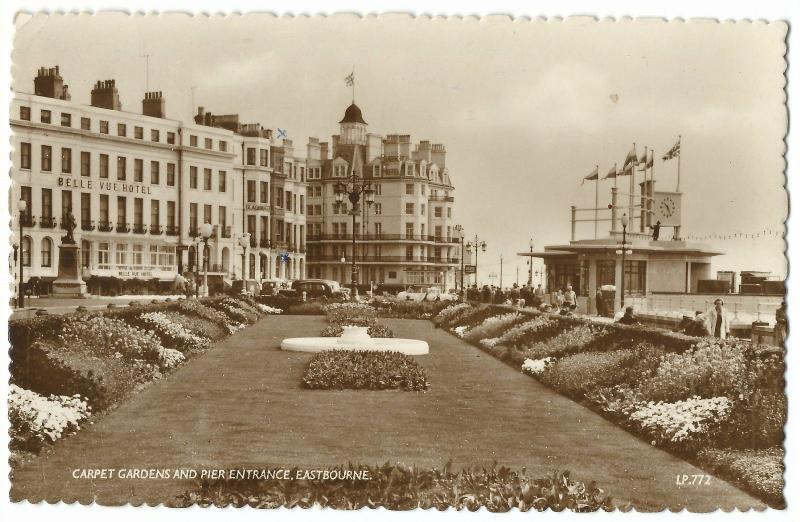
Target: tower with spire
353,128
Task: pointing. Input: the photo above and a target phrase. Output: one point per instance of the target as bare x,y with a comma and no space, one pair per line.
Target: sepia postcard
397,261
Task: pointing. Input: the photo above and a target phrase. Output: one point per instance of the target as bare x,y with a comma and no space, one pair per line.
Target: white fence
744,308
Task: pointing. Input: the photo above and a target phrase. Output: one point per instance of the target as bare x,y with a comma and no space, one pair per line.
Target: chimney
153,104
323,150
49,83
106,96
200,117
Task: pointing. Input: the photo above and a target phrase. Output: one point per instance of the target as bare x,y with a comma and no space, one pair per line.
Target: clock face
667,207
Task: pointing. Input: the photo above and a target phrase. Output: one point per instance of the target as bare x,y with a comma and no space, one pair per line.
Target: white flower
268,309
175,331
460,330
170,358
45,417
682,420
536,366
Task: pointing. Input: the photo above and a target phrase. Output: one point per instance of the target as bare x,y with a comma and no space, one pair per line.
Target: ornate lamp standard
22,206
530,264
476,244
624,250
205,232
353,189
244,241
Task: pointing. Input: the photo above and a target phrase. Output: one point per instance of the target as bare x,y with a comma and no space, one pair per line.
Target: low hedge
377,330
364,370
397,487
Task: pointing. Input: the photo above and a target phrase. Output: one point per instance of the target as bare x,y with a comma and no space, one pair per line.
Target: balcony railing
253,242
87,225
172,230
123,228
448,199
194,231
48,222
139,228
265,243
224,231
105,226
387,259
156,230
28,220
383,237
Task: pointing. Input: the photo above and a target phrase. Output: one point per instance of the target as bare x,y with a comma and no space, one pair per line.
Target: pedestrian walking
570,298
716,320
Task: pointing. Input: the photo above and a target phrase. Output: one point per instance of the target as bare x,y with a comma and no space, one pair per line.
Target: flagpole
596,197
632,185
616,175
354,83
678,188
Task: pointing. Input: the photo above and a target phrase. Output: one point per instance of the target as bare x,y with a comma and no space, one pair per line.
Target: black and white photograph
398,261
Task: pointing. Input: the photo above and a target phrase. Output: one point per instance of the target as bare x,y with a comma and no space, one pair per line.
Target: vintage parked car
422,293
317,288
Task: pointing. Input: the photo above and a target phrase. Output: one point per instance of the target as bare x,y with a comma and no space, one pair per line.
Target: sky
526,109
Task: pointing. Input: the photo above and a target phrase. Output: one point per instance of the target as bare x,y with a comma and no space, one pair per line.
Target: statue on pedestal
68,224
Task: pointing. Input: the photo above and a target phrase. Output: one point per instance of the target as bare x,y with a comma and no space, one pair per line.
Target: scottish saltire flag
592,176
350,79
674,152
612,173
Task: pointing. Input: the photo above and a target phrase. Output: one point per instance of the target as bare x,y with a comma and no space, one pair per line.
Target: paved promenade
242,405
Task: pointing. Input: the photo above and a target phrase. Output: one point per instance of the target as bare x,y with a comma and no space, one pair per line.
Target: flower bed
689,395
350,314
397,487
364,370
198,326
173,334
377,330
37,420
391,308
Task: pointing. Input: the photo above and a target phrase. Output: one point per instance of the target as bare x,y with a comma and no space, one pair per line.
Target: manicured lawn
243,405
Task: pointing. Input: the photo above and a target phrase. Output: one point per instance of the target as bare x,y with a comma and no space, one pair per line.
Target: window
171,138
86,208
138,170
206,179
422,209
376,171
138,211
121,254
635,277
86,163
378,229
318,210
122,129
251,191
223,146
377,189
155,213
66,119
437,212
47,203
193,141
289,200
409,230
47,252
47,158
209,143
222,181
264,156
26,251
264,186
103,127
103,255
279,198
222,212
66,160
44,117
449,212
422,190
155,173
170,214
104,208
409,189
66,204
122,211
302,205
154,135
193,177
251,156
122,165
25,156
378,209
138,133
170,174
310,210
207,214
410,208
437,231
86,124
166,255
25,113
409,253
138,255
104,165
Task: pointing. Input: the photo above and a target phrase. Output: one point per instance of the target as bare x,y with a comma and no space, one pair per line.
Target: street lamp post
460,232
354,189
244,240
624,221
530,264
205,232
477,245
22,206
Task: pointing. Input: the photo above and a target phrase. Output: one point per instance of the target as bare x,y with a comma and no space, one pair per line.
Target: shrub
173,333
398,487
452,314
567,342
198,326
376,330
350,314
356,370
581,372
195,307
758,471
36,420
104,337
492,325
391,308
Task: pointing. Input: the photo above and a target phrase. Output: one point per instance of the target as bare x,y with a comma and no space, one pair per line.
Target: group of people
517,295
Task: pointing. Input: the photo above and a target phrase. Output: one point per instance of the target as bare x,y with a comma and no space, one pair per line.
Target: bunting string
763,234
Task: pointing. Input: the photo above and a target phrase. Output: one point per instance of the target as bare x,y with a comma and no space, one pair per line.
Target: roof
353,115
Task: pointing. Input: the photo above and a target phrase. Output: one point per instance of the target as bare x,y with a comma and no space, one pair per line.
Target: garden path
242,405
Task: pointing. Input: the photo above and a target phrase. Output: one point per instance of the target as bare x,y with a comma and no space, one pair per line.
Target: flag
592,176
643,159
612,173
627,170
630,159
674,152
350,79
649,164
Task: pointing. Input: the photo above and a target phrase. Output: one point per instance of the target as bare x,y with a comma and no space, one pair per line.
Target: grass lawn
242,404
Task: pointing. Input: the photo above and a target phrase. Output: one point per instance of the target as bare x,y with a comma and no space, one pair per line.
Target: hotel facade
407,236
140,185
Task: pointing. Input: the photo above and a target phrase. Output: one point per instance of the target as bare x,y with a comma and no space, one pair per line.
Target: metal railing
105,226
87,225
387,259
139,228
156,230
172,230
48,222
123,227
383,237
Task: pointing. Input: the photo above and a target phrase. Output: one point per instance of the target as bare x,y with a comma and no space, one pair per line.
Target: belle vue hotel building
140,185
